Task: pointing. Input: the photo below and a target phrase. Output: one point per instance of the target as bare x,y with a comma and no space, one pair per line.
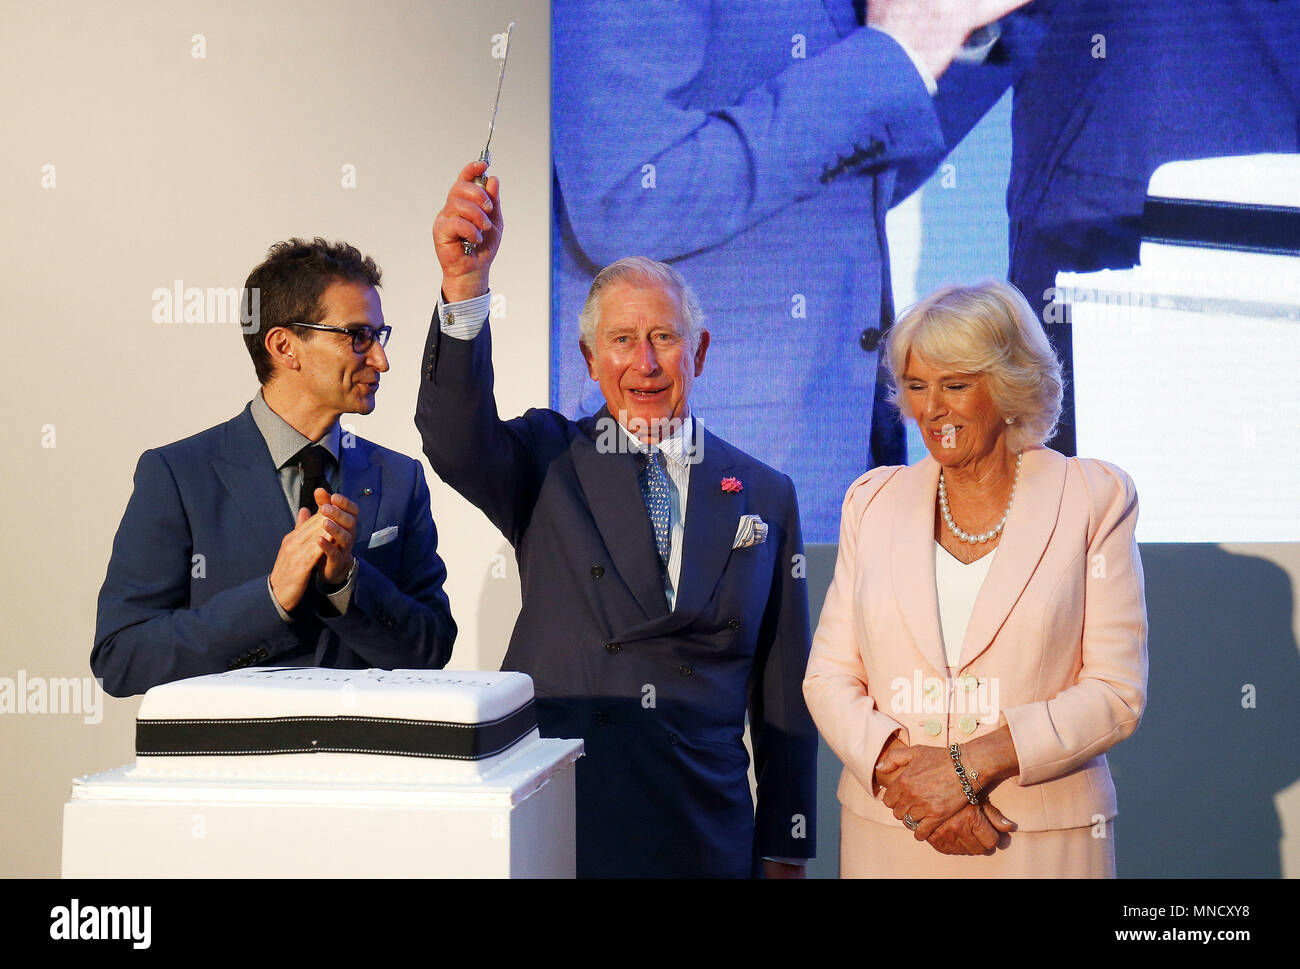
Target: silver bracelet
955,753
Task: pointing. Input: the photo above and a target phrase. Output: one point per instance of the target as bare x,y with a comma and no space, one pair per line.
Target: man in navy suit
276,538
662,571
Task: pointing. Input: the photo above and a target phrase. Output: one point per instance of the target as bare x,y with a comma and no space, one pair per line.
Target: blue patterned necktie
654,489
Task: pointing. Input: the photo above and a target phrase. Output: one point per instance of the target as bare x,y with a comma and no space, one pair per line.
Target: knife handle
466,246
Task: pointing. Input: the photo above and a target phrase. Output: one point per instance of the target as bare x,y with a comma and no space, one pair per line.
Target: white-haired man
662,571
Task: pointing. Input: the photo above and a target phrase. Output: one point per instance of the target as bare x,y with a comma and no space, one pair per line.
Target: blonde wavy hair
988,329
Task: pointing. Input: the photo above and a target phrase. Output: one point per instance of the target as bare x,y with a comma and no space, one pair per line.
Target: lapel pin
366,492
732,486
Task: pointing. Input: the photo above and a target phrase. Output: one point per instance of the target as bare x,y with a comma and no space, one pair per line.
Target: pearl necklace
985,536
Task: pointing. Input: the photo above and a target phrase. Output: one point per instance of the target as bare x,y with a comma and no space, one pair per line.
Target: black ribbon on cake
336,735
1240,226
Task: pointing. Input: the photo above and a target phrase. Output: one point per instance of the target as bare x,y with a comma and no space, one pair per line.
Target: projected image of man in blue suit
275,538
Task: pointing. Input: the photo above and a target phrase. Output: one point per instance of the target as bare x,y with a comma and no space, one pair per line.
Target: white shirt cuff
464,320
927,78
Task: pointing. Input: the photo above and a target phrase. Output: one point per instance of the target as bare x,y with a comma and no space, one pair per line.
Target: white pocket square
383,536
751,530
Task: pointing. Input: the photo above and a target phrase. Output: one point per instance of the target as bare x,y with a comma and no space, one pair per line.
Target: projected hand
936,29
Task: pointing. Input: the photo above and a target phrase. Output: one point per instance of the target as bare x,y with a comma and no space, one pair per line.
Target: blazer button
601,719
870,339
685,670
672,739
933,727
733,623
262,654
612,648
969,683
966,724
597,571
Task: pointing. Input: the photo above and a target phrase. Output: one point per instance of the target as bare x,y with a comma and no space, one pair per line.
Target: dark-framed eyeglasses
363,337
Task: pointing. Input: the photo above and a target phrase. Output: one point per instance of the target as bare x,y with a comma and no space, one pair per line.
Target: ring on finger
911,822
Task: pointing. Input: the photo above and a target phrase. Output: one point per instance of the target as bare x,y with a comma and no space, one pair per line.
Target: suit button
685,670
966,724
601,719
612,648
933,727
733,623
870,339
597,571
262,654
672,739
969,683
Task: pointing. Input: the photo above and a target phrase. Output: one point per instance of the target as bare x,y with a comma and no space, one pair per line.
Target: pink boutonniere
732,486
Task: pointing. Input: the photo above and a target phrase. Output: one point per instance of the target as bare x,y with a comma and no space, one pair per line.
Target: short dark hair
290,283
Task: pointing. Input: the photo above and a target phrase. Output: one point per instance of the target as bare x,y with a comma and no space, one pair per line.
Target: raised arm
490,462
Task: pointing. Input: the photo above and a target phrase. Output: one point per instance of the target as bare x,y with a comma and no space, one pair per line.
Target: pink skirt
869,849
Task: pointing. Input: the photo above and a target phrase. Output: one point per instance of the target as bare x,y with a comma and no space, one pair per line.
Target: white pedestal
515,822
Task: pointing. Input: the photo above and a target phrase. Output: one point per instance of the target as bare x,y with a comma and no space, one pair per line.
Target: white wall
169,166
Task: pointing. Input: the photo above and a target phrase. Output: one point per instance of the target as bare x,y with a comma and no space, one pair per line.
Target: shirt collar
283,441
677,447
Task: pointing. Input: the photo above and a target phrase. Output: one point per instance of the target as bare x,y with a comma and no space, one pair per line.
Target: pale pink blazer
1057,637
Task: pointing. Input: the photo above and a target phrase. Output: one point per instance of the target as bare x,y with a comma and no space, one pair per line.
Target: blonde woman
983,642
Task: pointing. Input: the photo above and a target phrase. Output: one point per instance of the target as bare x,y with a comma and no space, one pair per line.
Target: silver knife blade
496,103
486,156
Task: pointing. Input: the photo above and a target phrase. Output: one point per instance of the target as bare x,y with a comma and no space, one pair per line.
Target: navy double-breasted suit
659,697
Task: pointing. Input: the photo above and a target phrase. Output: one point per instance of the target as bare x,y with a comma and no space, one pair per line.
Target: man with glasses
276,539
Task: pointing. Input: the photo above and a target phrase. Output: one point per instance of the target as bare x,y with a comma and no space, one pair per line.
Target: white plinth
515,822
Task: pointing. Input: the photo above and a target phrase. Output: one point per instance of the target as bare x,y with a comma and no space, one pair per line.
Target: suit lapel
1029,528
607,473
711,518
912,558
357,476
245,469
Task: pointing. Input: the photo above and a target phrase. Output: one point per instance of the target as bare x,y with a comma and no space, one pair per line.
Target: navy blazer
659,697
186,590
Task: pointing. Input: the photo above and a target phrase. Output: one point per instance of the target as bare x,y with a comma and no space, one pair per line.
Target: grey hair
990,329
640,271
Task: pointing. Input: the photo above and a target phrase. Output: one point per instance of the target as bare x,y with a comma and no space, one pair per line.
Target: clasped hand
920,781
